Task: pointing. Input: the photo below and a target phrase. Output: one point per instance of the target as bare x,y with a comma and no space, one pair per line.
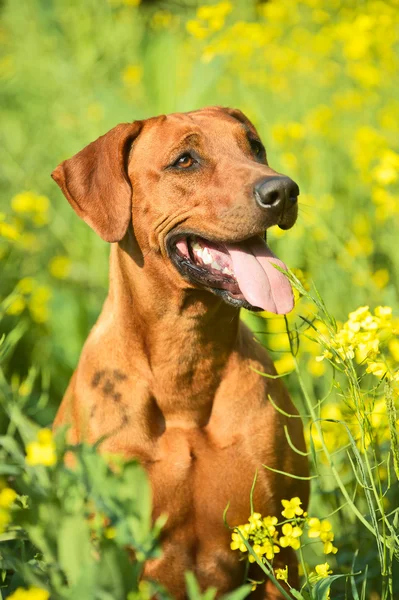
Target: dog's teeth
206,256
196,247
227,271
215,265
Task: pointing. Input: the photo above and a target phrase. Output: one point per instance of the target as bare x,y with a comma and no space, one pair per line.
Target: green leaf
74,548
300,595
238,594
117,573
192,587
322,587
194,591
12,448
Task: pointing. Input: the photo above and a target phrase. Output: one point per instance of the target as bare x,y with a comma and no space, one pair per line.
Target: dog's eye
184,161
258,150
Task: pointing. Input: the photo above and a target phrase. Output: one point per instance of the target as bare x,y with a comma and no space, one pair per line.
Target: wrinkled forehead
208,130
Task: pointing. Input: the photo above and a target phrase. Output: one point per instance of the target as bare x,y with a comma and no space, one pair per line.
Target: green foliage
74,530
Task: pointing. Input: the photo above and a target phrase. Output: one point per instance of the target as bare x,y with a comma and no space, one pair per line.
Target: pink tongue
260,283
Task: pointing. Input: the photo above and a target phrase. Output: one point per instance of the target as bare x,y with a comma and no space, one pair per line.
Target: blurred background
319,78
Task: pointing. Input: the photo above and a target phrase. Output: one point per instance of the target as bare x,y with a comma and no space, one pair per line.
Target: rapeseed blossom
291,536
260,533
362,338
42,451
291,508
7,498
323,570
266,535
323,530
60,266
33,593
281,574
316,527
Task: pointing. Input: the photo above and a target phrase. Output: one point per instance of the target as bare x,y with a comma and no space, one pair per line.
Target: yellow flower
26,285
284,364
317,527
42,451
270,523
393,346
16,306
359,314
255,520
380,278
281,573
367,349
386,171
383,312
316,367
323,570
267,549
291,508
33,593
329,548
322,529
7,497
291,536
258,551
378,369
110,533
9,232
26,202
60,266
237,541
132,74
25,388
23,202
38,304
326,354
197,29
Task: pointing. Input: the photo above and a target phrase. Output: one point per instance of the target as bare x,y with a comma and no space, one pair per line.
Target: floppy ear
95,182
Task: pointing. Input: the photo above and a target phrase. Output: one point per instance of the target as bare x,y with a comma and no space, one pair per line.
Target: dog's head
200,194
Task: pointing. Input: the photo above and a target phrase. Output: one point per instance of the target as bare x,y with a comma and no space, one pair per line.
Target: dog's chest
194,478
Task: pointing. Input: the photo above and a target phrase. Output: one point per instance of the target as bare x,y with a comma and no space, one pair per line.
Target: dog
169,374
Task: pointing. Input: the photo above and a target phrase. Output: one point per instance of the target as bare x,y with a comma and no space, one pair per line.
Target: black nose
275,191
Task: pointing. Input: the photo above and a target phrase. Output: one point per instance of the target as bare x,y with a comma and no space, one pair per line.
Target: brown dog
169,371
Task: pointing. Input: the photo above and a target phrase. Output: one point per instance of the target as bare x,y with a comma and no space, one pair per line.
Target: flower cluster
42,451
7,499
29,294
32,593
361,338
263,536
209,19
32,204
260,533
323,530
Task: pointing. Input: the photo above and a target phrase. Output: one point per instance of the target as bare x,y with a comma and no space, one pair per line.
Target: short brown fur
169,370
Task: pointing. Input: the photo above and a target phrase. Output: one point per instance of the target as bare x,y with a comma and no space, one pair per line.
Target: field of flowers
320,81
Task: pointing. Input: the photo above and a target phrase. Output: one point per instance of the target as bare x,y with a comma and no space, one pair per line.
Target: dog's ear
96,184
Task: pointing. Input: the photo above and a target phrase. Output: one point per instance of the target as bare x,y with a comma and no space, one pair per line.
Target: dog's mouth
242,273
